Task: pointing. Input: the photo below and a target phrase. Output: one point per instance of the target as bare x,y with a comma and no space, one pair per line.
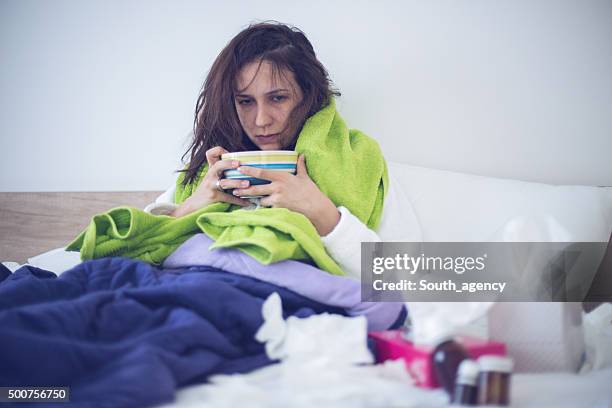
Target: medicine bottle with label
494,380
466,390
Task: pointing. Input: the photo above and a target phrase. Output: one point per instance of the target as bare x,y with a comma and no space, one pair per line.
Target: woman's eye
244,102
279,98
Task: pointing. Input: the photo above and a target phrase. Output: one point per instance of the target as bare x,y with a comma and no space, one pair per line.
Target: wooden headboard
33,223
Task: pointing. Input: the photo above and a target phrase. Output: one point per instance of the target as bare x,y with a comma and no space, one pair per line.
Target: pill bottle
466,388
446,357
494,380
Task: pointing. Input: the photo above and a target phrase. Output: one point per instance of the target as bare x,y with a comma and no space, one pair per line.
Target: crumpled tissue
324,362
318,336
598,338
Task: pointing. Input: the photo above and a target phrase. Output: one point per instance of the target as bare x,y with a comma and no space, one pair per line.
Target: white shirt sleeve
343,243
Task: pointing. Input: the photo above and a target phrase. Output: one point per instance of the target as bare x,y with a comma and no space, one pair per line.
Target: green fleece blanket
346,165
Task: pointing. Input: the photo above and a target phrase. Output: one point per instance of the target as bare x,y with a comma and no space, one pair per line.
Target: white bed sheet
57,260
558,390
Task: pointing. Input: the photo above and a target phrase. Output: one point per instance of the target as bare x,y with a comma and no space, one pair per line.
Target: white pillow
459,207
399,221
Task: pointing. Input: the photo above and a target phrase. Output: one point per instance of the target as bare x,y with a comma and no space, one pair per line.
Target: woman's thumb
301,166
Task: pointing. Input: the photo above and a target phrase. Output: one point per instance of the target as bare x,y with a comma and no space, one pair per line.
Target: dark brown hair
216,122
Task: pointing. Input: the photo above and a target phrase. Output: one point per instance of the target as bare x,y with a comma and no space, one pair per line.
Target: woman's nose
263,117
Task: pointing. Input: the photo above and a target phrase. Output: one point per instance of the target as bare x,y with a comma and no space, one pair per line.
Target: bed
41,223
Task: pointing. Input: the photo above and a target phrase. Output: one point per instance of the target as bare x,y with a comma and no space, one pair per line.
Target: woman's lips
267,138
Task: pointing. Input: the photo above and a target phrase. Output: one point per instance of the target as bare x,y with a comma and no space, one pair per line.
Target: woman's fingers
213,155
267,201
263,190
301,169
263,174
228,198
215,173
232,183
222,165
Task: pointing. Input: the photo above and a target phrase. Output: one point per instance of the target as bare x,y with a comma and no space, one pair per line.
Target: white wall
99,95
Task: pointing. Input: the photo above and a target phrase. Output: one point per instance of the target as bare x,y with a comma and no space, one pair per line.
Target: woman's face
264,102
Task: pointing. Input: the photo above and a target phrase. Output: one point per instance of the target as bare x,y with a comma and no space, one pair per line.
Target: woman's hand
210,189
296,193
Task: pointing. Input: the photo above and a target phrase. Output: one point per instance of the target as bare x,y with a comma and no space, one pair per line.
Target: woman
275,81
259,93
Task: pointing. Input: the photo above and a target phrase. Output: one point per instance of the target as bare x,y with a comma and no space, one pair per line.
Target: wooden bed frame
33,223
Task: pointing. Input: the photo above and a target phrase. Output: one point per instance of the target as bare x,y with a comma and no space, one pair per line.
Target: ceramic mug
271,160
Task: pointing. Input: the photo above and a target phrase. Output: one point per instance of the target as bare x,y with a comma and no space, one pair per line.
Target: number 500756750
34,394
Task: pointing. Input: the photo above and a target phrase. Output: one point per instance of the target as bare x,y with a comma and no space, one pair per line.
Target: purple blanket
299,277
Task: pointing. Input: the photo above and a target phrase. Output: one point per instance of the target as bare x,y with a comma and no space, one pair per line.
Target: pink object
390,345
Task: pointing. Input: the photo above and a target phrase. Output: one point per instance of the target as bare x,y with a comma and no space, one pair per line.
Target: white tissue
433,321
324,336
274,329
598,338
292,385
322,365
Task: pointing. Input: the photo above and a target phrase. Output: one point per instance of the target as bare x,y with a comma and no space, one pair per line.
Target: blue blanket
122,333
